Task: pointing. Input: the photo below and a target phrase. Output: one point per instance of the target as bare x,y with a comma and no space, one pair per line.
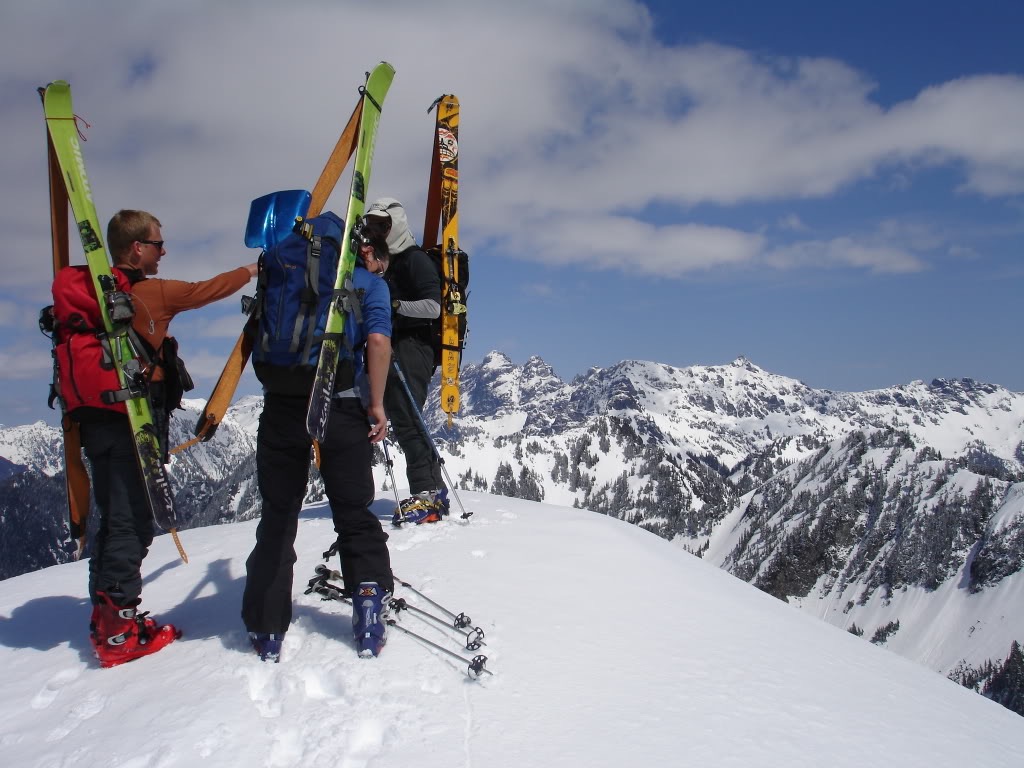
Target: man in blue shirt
356,423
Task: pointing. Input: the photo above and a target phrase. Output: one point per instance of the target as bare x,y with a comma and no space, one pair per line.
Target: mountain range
896,514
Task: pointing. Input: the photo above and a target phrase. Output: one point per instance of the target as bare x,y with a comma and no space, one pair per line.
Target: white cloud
21,363
204,367
623,243
542,290
844,252
963,253
575,121
227,327
793,223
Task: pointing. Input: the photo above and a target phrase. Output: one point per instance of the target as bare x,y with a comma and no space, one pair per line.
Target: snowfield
608,647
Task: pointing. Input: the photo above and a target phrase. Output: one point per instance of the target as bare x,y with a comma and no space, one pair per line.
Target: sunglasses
154,243
377,226
382,264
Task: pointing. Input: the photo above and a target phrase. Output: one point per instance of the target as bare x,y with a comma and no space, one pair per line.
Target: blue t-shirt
375,304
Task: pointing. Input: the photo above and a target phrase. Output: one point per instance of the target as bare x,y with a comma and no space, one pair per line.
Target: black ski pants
416,358
282,470
125,531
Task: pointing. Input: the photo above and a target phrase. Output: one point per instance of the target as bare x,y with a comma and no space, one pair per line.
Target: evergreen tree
504,481
530,486
1006,685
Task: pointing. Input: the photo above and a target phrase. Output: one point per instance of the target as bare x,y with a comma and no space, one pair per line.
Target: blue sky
834,190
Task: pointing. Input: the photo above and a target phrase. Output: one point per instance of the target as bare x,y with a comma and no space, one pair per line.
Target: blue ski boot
268,646
419,509
441,502
370,608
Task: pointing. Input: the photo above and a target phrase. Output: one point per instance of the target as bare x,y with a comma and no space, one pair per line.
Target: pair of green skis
70,184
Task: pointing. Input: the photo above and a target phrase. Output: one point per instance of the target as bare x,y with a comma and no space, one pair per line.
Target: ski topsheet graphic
443,200
378,82
63,135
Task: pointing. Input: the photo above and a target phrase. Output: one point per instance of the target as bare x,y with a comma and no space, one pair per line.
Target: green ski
114,306
377,84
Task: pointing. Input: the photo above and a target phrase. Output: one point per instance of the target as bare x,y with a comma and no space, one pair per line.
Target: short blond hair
125,227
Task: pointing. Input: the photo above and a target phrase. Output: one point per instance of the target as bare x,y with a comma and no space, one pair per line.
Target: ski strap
310,299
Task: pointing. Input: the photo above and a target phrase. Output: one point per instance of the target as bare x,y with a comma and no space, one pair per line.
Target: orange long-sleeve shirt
157,301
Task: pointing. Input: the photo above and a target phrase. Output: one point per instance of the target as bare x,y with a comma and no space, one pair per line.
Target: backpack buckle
119,307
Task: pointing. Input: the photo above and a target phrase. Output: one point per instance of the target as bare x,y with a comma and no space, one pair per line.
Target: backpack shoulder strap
310,299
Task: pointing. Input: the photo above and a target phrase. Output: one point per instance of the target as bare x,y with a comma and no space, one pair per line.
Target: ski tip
53,84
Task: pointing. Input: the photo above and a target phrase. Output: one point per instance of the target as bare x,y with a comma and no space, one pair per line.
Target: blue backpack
293,295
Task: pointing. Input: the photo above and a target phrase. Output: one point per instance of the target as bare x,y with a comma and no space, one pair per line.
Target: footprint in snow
321,687
264,687
366,742
218,738
48,693
83,710
287,749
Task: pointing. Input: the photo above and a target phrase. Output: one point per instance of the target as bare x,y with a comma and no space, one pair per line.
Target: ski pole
327,591
326,572
477,665
461,620
391,471
426,435
473,639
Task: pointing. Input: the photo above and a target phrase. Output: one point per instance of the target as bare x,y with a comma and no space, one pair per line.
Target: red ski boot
121,633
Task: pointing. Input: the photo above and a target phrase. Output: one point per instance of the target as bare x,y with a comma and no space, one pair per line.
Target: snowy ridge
842,503
735,409
35,445
870,534
865,509
677,662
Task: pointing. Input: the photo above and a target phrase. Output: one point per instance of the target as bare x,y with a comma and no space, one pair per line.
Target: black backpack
454,296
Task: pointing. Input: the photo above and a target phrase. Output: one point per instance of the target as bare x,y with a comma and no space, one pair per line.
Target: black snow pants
282,467
416,358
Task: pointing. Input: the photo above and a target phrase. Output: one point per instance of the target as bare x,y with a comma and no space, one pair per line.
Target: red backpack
83,365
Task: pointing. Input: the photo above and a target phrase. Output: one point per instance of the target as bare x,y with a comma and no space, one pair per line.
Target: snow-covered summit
32,445
731,410
675,663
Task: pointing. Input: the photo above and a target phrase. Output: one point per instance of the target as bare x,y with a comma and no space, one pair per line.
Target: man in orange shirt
119,632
